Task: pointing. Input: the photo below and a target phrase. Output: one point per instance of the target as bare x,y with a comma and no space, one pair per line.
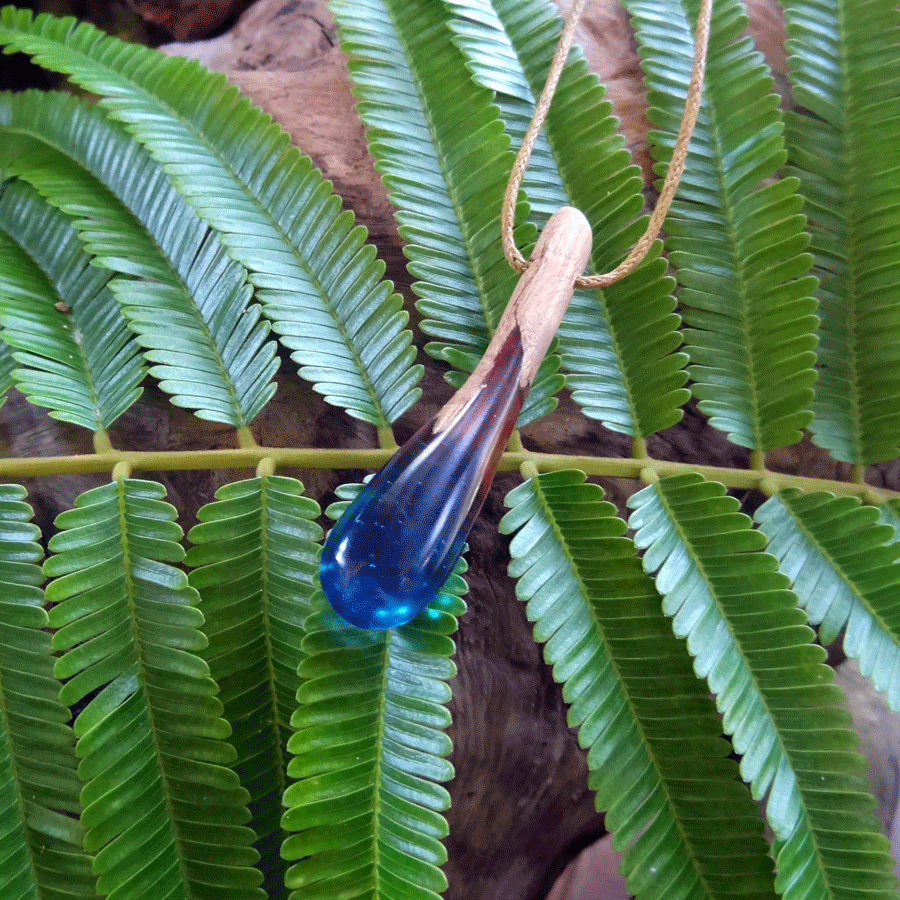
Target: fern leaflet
652,735
845,148
40,841
843,566
255,556
617,344
751,643
368,753
186,300
440,147
737,243
75,352
162,812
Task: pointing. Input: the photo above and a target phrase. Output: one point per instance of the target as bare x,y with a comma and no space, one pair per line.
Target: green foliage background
160,709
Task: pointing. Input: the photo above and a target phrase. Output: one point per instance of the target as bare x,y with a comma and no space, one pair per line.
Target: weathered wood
183,19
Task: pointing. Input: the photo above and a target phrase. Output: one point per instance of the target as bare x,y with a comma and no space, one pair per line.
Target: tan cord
673,175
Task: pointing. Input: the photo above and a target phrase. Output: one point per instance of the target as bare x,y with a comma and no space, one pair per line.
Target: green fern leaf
843,566
162,813
445,159
751,643
616,344
653,738
188,302
368,753
40,842
737,243
317,279
256,557
845,148
75,352
491,58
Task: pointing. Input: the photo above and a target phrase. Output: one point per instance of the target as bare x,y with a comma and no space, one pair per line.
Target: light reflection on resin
397,542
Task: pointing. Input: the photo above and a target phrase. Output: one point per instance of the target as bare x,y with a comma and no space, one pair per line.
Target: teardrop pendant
396,544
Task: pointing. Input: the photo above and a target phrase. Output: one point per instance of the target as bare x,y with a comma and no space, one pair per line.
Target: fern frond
369,753
617,345
40,841
736,242
150,736
843,565
318,281
751,643
188,303
75,352
255,554
491,58
652,734
444,158
845,147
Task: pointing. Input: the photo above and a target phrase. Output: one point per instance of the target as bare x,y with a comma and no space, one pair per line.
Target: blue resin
396,544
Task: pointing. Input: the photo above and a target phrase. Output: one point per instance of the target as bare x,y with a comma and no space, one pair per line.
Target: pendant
397,543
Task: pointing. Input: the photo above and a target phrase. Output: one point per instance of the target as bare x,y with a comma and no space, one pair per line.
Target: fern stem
266,467
514,444
644,469
121,471
386,438
102,443
528,469
648,475
245,438
242,458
